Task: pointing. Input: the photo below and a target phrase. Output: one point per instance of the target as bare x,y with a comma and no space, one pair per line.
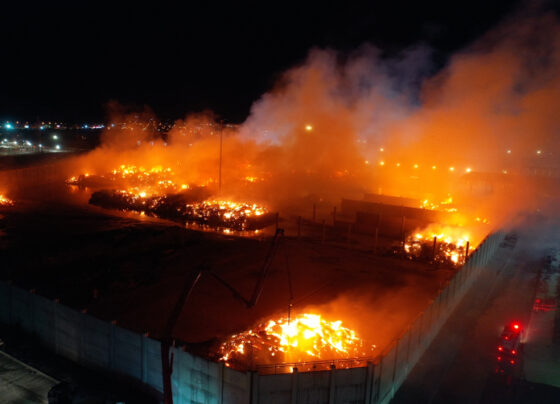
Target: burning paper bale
186,207
4,201
130,200
158,192
306,337
156,180
229,214
446,246
444,206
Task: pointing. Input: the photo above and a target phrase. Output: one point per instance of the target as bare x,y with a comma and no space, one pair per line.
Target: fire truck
508,348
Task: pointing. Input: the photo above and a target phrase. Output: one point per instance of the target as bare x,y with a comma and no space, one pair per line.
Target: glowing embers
129,200
158,192
445,205
155,180
306,337
253,179
189,206
228,214
5,201
225,210
446,245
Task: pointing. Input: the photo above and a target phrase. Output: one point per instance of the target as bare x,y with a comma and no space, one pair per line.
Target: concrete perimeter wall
94,343
399,359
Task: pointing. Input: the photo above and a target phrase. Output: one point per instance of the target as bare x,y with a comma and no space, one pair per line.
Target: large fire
158,192
306,337
224,210
444,245
156,180
445,205
180,207
5,201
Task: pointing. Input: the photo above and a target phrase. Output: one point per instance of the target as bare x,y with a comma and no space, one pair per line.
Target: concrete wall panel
84,339
275,389
350,385
126,355
67,332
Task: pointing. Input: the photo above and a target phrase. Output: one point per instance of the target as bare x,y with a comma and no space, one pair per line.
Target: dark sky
66,60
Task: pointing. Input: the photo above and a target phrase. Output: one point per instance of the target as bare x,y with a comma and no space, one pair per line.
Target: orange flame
451,243
303,338
157,180
4,201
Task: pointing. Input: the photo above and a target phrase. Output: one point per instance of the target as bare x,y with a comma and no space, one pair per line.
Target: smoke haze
344,125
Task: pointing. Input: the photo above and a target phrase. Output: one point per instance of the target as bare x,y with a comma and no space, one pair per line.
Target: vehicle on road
508,349
510,340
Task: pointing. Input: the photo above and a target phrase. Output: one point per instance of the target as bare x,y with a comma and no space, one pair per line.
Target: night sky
67,60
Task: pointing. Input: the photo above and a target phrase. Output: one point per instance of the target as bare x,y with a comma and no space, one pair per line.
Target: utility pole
167,339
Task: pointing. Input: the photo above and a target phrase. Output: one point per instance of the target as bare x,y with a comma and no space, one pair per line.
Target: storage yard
131,268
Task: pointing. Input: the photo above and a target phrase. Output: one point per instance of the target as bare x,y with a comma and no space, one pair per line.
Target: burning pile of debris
445,248
4,201
444,206
157,192
306,337
220,213
187,207
156,180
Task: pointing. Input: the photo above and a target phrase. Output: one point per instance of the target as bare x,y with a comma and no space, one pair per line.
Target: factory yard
131,269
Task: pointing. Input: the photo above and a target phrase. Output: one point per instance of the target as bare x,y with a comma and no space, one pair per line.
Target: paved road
459,366
21,384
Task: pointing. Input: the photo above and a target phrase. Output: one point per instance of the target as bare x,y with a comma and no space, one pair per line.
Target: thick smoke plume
343,125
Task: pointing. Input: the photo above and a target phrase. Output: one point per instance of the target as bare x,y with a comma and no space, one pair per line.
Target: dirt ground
131,269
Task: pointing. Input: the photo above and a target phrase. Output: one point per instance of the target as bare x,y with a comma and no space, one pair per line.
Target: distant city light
26,126
381,163
468,169
381,149
434,167
415,166
539,151
508,151
55,136
308,128
451,168
8,125
57,147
